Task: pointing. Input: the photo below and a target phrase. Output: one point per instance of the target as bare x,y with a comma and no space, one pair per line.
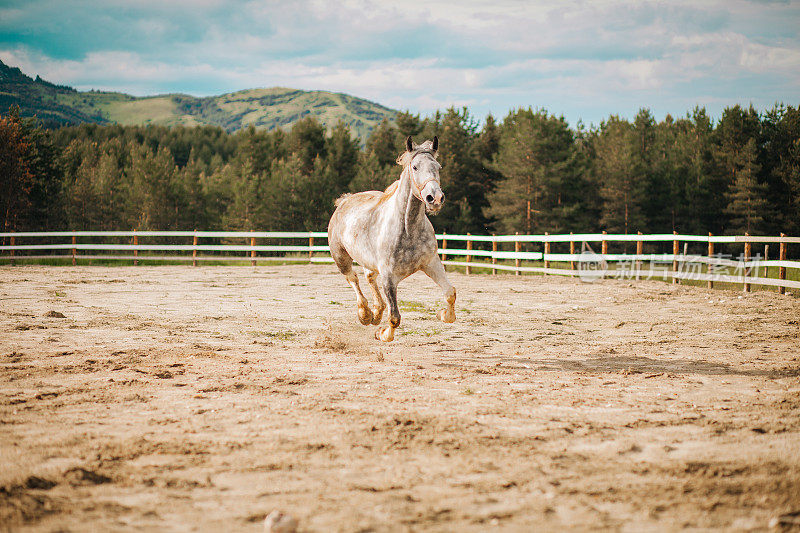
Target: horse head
419,161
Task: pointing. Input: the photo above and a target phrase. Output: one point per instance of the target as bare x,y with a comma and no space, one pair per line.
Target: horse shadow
633,364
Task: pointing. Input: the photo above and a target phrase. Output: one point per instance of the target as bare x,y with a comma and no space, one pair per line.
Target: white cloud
759,58
602,56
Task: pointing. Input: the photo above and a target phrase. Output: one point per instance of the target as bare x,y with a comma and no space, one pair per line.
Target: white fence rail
586,264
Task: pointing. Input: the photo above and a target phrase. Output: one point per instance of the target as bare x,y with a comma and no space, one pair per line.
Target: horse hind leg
345,264
380,305
364,312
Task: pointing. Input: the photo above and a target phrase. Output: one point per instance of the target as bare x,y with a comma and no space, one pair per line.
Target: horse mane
385,195
341,199
389,191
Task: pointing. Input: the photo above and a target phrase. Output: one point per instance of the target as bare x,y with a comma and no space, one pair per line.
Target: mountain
271,108
50,102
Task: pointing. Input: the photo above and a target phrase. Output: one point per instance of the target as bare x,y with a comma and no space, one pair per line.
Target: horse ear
435,143
409,144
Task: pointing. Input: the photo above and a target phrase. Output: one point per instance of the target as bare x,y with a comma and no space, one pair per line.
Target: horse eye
415,168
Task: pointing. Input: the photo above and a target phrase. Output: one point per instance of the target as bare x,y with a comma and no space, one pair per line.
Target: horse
388,233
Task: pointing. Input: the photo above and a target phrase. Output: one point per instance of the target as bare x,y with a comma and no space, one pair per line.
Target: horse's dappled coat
388,233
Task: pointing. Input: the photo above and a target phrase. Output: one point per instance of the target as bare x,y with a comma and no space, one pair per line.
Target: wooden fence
478,252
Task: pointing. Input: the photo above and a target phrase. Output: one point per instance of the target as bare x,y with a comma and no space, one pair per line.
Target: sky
584,60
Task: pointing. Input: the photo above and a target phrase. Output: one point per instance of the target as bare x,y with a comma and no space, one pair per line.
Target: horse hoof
376,317
385,334
446,315
365,315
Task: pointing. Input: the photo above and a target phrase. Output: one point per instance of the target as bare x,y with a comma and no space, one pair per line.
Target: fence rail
588,264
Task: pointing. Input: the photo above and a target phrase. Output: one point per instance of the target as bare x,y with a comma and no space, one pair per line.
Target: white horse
390,236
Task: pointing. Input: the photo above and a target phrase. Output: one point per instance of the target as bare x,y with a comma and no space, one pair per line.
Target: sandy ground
202,398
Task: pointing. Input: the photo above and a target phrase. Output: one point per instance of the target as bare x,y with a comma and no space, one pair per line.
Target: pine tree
30,179
465,186
153,195
385,143
306,141
693,163
735,130
286,206
781,168
621,186
747,204
408,125
46,205
488,142
16,180
193,214
371,175
789,172
536,158
341,159
316,193
217,192
250,202
652,167
106,182
84,203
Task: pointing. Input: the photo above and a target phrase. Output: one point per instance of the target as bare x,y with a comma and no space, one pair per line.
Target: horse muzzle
434,202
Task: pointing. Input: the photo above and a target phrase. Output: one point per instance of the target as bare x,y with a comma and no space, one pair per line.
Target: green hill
271,108
49,102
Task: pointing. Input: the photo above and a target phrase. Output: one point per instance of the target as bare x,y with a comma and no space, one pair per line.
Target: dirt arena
203,398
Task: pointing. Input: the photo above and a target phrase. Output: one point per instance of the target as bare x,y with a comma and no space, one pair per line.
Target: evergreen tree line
531,173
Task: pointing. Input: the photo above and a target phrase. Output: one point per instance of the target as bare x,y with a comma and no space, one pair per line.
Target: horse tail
341,199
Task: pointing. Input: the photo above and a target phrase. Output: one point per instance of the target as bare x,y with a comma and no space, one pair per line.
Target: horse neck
408,206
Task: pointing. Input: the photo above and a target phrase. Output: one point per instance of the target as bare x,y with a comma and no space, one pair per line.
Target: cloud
581,59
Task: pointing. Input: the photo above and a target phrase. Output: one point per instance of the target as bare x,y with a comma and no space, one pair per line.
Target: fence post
765,272
676,248
748,247
310,245
253,251
135,251
782,269
469,257
710,269
494,251
13,243
194,250
571,252
516,259
546,252
74,250
604,245
639,252
444,246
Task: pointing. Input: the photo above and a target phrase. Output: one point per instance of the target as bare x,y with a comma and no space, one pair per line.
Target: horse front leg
435,271
364,313
380,305
386,334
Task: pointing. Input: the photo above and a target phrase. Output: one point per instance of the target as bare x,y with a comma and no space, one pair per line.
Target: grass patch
423,332
406,305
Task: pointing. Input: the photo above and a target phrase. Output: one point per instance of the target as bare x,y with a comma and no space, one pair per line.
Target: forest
530,173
